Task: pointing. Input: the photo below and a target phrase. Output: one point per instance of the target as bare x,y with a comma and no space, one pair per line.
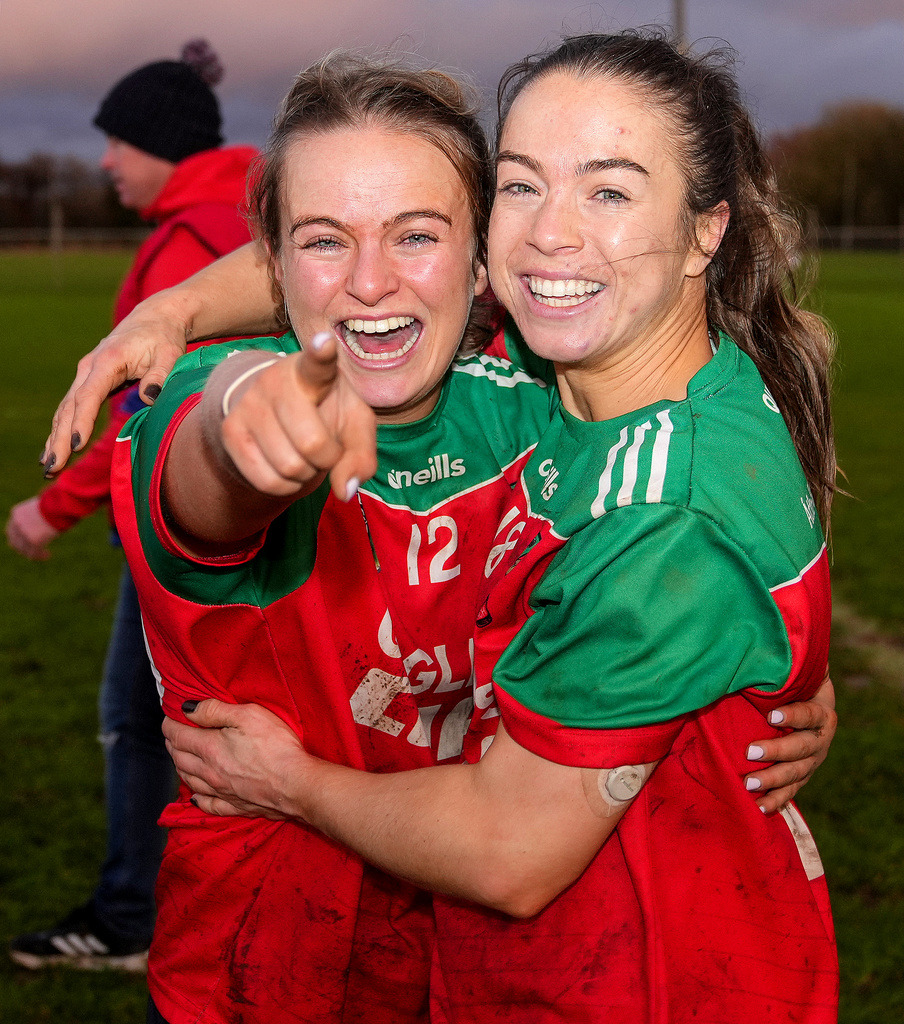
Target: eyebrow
400,218
327,222
588,167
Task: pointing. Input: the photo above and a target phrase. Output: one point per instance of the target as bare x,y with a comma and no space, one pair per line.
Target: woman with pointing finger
346,611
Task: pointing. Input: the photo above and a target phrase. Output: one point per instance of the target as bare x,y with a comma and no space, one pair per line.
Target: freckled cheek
507,233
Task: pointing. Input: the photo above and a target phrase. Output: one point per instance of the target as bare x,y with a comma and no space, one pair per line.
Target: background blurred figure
163,155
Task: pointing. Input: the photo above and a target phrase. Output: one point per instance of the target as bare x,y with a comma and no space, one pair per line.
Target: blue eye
418,239
324,244
610,195
517,188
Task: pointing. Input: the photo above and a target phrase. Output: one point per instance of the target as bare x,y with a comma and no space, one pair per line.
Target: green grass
54,621
854,803
863,297
55,618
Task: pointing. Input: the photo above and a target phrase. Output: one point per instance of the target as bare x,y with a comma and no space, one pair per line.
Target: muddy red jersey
354,623
669,587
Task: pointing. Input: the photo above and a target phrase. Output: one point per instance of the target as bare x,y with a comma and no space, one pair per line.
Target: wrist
238,385
182,307
304,778
225,387
33,523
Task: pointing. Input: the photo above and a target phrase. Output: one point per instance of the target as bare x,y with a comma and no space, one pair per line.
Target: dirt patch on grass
880,652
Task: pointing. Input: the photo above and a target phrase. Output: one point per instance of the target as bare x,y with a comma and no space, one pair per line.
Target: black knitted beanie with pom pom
167,109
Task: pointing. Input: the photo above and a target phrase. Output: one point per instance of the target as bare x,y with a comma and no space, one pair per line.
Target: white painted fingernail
763,809
776,717
754,753
752,784
351,488
319,340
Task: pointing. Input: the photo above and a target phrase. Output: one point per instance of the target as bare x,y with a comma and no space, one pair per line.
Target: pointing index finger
318,366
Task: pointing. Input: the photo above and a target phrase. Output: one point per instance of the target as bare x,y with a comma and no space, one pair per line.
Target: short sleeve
646,615
152,431
222,579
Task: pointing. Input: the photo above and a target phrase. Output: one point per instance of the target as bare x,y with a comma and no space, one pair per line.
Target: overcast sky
59,57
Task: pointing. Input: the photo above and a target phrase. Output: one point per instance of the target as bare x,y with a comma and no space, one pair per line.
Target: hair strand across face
752,281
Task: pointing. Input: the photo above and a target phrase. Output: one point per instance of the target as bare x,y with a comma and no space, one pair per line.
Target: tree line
845,170
848,168
35,191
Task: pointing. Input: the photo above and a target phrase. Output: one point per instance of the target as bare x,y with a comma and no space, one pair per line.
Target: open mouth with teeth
562,293
381,340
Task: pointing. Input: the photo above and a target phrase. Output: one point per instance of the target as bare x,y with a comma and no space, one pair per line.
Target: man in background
166,160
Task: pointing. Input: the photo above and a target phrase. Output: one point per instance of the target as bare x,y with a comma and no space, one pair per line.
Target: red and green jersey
670,587
354,623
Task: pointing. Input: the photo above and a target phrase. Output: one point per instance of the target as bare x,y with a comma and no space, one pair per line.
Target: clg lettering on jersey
439,467
549,473
440,726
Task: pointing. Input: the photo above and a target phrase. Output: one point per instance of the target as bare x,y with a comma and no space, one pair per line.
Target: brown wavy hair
349,91
753,283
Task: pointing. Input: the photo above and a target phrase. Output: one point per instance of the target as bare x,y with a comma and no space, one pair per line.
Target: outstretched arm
232,296
490,832
510,832
267,431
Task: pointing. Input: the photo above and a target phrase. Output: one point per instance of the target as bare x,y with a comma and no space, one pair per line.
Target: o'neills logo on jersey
439,467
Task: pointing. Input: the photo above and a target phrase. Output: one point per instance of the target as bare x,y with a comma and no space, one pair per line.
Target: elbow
526,905
519,894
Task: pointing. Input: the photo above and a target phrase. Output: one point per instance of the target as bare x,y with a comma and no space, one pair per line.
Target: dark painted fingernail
75,441
189,706
152,391
48,465
194,800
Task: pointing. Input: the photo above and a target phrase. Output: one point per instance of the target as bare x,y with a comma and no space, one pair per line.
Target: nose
107,158
372,276
556,226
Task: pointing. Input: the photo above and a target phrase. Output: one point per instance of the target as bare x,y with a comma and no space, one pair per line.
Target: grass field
55,617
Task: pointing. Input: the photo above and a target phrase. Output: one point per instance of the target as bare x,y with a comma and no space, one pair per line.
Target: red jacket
199,218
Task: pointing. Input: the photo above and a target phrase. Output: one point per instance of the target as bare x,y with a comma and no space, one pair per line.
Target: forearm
232,296
510,832
211,507
507,836
426,826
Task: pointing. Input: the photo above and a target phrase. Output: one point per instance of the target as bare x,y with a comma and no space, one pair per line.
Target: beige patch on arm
610,790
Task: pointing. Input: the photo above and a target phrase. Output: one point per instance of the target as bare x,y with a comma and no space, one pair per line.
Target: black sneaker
81,941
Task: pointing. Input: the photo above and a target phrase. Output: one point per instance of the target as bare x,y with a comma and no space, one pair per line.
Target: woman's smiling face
378,248
589,243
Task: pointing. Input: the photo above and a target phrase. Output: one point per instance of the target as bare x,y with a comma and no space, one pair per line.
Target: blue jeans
139,777
154,1016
